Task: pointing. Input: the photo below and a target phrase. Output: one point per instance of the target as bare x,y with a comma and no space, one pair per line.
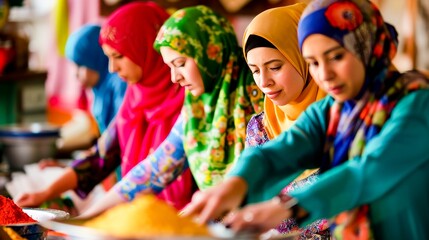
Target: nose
265,79
78,74
324,72
80,78
175,75
82,74
113,67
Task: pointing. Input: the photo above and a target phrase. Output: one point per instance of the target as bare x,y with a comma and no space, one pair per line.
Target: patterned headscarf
358,26
215,122
83,49
279,27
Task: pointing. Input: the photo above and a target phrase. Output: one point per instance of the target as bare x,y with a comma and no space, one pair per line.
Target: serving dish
34,231
75,231
43,214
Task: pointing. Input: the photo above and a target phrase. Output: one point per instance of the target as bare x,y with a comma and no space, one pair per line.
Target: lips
335,90
273,94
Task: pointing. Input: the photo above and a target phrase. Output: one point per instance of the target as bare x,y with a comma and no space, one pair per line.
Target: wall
411,19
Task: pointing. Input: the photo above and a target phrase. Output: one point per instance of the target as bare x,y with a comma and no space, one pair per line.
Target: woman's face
275,75
184,71
126,69
88,77
335,69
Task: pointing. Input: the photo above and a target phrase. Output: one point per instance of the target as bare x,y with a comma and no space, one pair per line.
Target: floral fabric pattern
95,167
215,122
160,168
345,16
255,133
318,229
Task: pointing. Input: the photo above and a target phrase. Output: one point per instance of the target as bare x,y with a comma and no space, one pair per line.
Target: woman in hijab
288,93
367,137
270,46
150,108
83,49
202,51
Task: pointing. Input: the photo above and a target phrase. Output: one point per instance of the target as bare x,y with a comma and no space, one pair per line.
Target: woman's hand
32,199
109,200
65,182
49,162
217,201
258,218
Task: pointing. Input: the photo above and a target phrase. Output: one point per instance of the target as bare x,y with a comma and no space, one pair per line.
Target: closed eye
117,56
253,69
178,62
179,65
275,68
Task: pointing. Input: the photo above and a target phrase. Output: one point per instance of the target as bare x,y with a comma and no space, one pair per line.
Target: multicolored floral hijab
359,27
215,122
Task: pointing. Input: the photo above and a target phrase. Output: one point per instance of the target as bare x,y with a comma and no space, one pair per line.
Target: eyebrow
326,52
266,63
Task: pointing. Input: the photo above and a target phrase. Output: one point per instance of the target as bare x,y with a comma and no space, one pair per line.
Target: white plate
74,229
42,214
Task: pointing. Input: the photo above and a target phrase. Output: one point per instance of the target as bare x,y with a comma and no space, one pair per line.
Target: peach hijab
279,27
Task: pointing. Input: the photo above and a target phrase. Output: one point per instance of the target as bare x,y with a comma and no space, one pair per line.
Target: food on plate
145,216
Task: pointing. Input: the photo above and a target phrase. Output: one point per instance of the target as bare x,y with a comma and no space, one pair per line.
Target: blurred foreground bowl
28,143
34,231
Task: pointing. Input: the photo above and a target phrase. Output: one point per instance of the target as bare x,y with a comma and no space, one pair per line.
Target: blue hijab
84,50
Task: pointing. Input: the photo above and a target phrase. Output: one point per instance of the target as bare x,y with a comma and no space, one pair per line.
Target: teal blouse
392,175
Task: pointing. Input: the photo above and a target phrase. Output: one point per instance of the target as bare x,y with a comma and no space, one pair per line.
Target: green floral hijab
215,122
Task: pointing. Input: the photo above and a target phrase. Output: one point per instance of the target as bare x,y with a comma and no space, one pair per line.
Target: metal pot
28,143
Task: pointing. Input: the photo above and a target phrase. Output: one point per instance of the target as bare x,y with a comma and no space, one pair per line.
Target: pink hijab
151,106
